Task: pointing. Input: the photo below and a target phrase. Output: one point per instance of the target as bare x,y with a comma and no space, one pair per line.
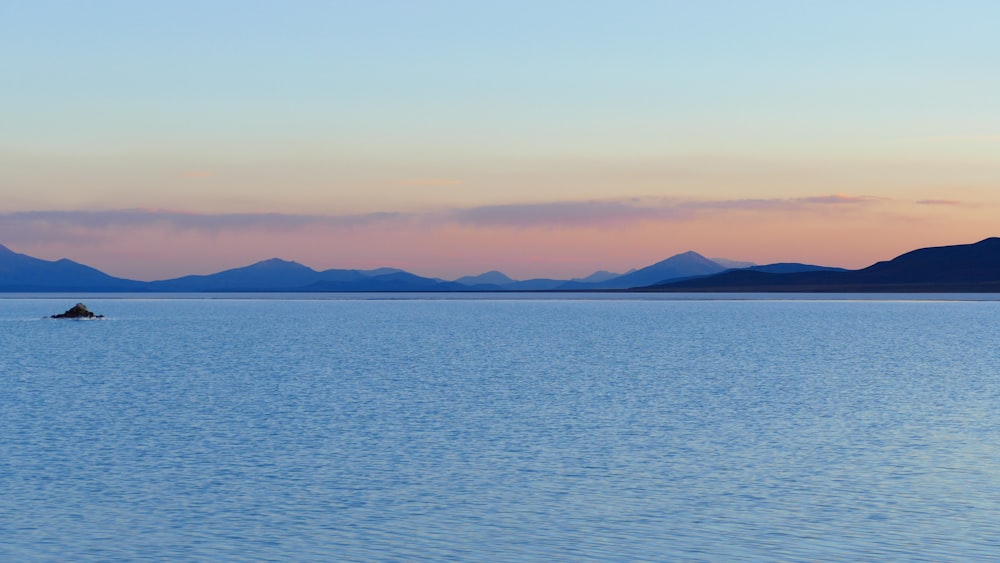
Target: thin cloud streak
785,204
25,225
567,213
191,221
939,202
837,199
615,212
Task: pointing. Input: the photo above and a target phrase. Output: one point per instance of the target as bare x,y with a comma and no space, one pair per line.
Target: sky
541,138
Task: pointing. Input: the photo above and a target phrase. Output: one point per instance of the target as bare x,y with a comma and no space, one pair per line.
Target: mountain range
19,272
972,267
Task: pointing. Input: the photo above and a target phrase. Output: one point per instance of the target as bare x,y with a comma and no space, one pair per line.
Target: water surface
503,429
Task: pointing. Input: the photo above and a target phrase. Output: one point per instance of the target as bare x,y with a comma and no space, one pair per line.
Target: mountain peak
5,250
683,265
496,275
491,277
276,261
684,257
273,263
599,276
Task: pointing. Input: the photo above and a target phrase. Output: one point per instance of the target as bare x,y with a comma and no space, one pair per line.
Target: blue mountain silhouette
20,272
959,268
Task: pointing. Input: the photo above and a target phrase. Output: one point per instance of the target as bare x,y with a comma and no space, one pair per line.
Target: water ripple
500,431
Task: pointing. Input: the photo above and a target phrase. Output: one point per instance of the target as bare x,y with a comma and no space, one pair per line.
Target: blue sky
434,107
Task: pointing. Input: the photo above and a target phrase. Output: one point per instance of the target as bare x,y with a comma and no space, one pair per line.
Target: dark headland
965,268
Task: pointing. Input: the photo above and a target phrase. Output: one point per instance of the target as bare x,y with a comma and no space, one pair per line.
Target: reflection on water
500,430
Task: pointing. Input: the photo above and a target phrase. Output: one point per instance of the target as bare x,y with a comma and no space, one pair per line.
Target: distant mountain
536,284
268,275
498,281
959,268
733,263
492,277
685,265
20,272
598,277
398,281
375,272
792,268
285,276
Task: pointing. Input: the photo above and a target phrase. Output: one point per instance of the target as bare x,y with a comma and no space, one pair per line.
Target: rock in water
79,311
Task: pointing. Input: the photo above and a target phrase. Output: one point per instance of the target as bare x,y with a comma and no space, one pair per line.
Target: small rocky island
79,311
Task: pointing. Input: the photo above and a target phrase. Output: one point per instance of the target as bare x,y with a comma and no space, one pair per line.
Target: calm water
500,430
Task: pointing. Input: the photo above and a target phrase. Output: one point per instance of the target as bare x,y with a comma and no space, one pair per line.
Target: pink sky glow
554,239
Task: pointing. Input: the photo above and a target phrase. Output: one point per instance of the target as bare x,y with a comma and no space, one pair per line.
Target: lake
501,428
